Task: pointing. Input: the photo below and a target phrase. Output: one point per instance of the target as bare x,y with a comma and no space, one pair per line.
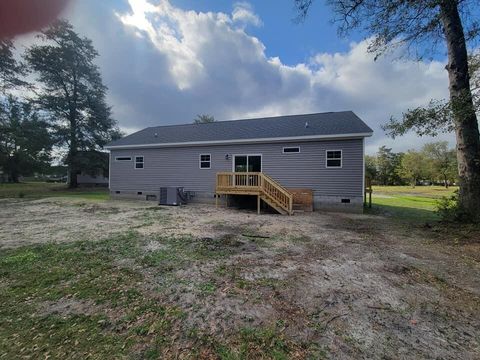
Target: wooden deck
255,183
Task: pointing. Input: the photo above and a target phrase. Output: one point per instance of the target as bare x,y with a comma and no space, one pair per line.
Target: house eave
244,141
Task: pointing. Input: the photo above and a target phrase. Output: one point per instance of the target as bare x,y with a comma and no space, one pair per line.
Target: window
205,161
138,162
123,158
290,150
334,159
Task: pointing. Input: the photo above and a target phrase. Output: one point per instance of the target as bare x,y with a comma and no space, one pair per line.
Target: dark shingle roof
328,124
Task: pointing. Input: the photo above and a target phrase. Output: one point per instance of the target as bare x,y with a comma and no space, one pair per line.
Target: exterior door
247,163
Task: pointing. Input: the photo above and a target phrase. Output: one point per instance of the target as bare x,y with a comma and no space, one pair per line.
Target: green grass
423,191
405,202
43,189
120,314
79,272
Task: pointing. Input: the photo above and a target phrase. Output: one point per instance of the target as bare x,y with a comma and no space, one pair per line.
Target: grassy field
405,202
43,189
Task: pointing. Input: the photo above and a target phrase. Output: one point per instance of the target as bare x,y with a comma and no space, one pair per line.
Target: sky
165,61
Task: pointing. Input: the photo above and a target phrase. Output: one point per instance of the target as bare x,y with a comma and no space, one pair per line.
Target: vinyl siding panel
179,166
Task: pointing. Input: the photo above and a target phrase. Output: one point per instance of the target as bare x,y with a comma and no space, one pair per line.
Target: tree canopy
11,71
25,142
415,26
203,119
435,163
71,92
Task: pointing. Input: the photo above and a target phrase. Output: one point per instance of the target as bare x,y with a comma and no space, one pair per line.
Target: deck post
258,204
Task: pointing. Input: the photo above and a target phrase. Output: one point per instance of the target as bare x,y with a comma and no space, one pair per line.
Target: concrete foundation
338,203
320,202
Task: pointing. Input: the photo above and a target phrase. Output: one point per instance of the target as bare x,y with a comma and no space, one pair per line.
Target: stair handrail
288,205
264,183
276,183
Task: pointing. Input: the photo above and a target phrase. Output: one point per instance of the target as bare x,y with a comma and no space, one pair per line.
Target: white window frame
291,152
326,159
200,161
135,162
117,158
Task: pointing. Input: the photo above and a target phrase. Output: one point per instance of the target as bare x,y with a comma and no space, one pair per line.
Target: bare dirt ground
355,286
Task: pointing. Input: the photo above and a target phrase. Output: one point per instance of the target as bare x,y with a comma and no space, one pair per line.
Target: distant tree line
52,98
435,163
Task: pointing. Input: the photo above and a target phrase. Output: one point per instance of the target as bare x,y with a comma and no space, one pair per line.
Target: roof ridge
324,124
247,119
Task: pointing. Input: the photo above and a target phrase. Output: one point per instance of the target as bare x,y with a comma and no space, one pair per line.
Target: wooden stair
256,183
273,204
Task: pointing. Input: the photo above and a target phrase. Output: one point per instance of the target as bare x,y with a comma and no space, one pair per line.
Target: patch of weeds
164,257
20,258
78,336
266,343
231,271
221,270
180,250
243,284
84,270
150,218
126,245
207,288
316,352
217,247
141,330
152,353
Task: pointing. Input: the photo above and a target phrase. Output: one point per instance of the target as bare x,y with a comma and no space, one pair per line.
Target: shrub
449,209
21,195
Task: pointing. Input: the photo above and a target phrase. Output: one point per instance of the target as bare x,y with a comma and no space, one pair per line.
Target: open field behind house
42,189
84,277
404,202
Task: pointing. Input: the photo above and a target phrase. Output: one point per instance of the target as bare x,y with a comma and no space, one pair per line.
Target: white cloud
243,13
164,65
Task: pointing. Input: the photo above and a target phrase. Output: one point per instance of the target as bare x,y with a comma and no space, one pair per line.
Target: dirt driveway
348,286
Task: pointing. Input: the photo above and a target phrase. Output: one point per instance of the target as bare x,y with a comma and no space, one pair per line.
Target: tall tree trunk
12,170
73,153
13,176
466,125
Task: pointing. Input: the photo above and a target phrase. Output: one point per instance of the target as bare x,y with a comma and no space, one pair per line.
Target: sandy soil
356,285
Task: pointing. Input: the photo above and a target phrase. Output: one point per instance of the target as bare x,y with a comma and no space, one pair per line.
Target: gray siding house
323,152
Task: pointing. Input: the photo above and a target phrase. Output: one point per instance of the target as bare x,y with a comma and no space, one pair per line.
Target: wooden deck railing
255,183
277,192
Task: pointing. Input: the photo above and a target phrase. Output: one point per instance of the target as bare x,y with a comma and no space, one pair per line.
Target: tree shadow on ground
403,212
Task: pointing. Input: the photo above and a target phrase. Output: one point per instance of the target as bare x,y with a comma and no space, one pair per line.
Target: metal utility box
172,196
